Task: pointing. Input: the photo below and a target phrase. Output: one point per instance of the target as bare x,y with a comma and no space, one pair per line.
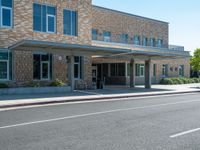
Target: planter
35,90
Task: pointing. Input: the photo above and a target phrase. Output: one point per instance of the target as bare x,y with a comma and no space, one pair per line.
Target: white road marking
184,133
96,101
95,113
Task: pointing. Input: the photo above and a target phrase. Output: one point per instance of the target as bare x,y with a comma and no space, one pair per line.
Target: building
84,45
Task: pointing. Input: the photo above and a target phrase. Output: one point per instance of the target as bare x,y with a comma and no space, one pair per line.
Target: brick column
148,74
72,73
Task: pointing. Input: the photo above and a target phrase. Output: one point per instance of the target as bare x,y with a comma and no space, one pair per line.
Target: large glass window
42,66
78,67
139,70
124,38
44,18
136,40
106,36
152,42
160,42
165,70
5,65
117,69
181,70
154,70
144,41
94,34
70,19
6,15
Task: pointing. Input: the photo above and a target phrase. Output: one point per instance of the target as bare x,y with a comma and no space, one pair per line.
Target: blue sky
183,16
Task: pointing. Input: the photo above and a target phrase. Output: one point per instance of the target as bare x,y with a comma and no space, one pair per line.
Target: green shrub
170,81
57,83
3,85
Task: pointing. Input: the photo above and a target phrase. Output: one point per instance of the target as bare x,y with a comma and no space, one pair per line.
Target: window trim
11,17
79,67
141,66
8,65
41,70
106,38
47,23
47,14
71,30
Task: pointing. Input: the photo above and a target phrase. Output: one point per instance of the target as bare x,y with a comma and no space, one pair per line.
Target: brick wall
119,23
23,23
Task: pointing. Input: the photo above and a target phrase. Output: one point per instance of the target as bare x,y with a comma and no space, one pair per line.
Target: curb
89,99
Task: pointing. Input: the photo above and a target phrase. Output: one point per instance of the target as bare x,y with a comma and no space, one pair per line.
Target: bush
171,81
57,83
3,85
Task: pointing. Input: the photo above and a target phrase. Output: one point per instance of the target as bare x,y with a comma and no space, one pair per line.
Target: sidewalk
110,92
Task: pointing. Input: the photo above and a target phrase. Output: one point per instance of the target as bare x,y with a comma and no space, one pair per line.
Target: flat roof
128,14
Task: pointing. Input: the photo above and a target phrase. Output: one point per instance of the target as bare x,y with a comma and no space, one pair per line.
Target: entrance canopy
99,50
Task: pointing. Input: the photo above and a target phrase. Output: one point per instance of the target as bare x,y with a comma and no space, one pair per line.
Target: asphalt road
153,123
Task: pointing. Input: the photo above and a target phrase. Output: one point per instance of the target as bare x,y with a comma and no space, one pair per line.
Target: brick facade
89,17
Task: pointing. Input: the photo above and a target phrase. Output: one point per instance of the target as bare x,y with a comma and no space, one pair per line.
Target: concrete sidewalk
110,92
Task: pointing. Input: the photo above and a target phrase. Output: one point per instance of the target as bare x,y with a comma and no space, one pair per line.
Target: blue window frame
159,43
152,42
124,38
6,15
70,19
106,36
136,40
144,41
94,34
5,65
44,18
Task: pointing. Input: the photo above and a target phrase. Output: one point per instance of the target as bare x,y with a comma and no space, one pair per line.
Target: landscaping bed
174,81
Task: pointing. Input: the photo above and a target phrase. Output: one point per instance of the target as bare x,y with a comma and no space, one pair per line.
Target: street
146,123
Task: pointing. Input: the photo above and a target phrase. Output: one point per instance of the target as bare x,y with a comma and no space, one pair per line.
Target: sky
183,17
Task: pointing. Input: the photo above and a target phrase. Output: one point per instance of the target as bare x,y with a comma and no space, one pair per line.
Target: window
42,66
181,70
124,38
94,34
44,18
152,42
154,70
70,19
136,40
5,65
78,67
159,44
106,36
144,41
165,70
117,69
6,14
139,70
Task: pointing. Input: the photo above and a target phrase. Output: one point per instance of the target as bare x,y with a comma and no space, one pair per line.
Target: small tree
195,61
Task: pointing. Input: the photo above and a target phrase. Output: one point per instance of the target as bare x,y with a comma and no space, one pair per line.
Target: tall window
6,13
124,38
136,40
70,19
160,42
165,70
42,66
5,65
106,36
152,42
94,34
44,18
78,67
144,41
117,69
154,70
181,70
139,70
